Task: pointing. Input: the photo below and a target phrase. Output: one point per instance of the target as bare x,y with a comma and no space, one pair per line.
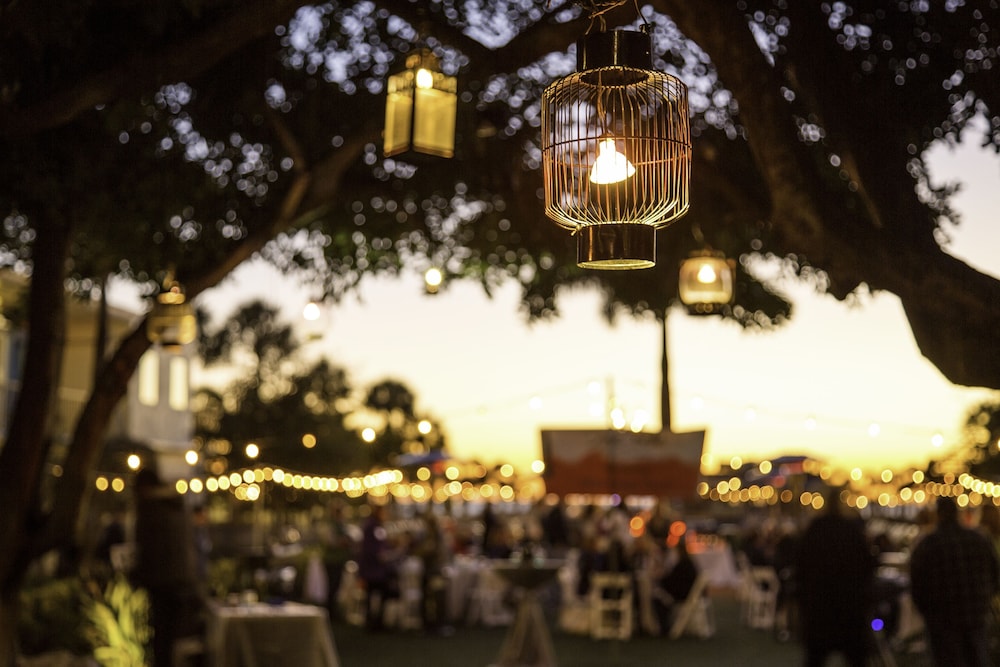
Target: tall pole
664,380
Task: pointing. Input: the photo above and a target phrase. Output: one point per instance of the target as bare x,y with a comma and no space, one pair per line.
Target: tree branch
139,73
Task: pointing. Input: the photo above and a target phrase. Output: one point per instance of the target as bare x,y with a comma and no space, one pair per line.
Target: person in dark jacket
953,577
166,564
377,567
835,576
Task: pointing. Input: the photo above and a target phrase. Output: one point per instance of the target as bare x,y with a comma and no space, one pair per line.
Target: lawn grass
732,645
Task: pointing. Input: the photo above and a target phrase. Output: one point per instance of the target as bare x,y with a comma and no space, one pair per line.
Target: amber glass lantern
171,323
705,283
420,109
616,151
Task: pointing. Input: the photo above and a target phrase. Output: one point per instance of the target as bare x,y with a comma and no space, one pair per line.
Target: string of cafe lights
968,491
248,484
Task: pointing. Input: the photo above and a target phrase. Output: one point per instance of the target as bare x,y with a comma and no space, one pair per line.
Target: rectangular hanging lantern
420,109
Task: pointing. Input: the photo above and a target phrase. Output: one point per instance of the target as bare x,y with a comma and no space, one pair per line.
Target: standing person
835,576
338,548
953,576
377,567
432,549
166,564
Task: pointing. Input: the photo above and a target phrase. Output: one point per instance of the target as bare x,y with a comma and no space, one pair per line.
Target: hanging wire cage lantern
705,283
420,108
171,322
616,150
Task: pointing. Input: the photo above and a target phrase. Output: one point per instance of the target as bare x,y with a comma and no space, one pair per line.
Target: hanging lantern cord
697,234
596,9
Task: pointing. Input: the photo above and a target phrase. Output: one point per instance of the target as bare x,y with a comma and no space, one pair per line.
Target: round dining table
528,641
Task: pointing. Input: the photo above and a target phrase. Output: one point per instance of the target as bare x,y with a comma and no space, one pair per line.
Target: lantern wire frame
645,113
618,110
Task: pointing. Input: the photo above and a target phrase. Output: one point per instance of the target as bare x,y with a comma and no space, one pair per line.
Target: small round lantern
616,151
705,283
171,323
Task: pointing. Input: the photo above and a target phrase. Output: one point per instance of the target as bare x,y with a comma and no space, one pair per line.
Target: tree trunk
24,453
665,412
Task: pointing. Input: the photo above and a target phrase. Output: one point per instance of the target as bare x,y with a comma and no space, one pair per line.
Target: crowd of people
588,539
835,589
827,565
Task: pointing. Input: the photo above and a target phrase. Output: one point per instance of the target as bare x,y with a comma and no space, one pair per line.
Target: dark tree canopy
143,137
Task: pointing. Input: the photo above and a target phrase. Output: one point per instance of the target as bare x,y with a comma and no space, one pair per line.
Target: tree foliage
299,415
981,449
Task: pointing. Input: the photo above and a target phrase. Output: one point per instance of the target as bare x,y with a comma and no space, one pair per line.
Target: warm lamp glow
171,322
311,312
705,282
610,165
420,109
424,78
433,279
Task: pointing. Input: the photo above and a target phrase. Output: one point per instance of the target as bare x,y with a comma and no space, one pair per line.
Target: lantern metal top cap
616,48
423,57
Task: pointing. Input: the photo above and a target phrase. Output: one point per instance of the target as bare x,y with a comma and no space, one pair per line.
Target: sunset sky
818,386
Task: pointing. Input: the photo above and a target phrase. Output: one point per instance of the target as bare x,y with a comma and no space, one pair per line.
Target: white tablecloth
719,565
263,635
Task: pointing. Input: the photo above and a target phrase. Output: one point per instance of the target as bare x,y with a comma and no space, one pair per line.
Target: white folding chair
610,601
695,615
762,602
351,596
487,600
574,612
404,612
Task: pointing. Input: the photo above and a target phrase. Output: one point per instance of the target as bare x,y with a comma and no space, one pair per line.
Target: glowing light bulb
433,279
424,78
706,274
311,312
610,165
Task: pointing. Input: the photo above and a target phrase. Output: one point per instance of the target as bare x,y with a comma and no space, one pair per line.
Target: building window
149,378
179,383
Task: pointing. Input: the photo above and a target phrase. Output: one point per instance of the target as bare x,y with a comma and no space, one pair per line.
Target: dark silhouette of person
377,567
112,537
679,581
338,549
166,564
432,549
835,576
953,577
491,526
675,585
555,529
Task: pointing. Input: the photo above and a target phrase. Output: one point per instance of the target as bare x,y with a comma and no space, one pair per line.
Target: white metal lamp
616,150
706,280
420,109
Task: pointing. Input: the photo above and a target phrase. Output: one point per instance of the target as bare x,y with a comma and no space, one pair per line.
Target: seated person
674,586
